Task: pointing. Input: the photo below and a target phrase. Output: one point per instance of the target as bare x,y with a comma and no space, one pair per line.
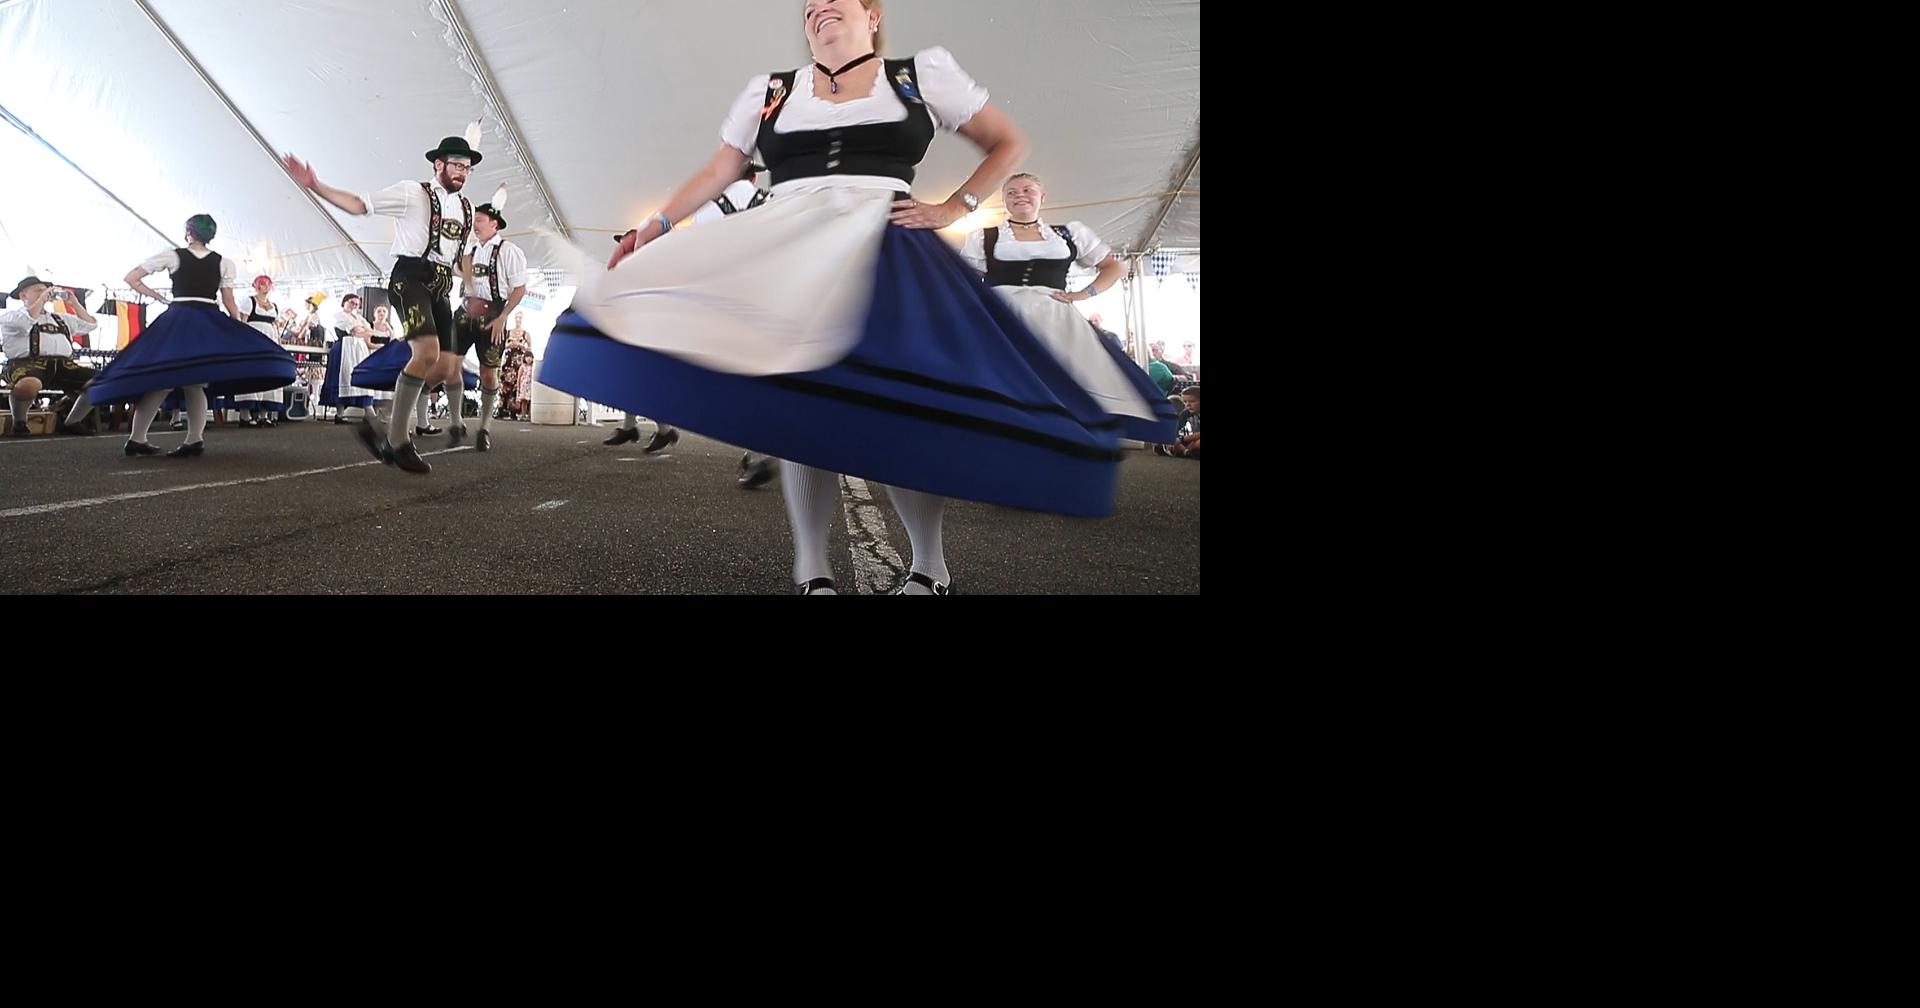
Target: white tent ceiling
616,102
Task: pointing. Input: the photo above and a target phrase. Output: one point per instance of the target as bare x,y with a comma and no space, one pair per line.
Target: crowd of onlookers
1181,385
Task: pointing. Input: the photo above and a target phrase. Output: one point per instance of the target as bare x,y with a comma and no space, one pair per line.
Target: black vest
1032,272
890,150
199,278
255,315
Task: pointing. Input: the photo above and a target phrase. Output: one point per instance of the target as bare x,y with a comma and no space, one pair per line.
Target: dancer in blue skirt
192,345
831,327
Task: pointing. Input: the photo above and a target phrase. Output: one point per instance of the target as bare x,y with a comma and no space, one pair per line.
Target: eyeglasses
462,165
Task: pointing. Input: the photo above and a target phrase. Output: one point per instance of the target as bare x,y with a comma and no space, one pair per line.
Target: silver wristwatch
972,201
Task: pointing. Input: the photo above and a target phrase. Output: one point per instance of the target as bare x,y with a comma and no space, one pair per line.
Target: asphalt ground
303,509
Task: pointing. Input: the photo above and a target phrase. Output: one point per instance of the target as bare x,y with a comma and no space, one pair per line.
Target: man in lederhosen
39,344
432,229
495,280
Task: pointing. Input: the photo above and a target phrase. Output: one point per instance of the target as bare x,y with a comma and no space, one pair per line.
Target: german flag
132,318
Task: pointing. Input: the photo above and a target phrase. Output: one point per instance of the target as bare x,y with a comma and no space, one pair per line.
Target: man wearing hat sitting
494,280
432,229
39,348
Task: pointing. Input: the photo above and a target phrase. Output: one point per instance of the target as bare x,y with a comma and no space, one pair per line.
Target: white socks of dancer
149,407
813,501
196,396
144,412
924,516
406,392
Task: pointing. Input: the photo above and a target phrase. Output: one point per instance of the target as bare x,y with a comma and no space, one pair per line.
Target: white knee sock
196,413
813,500
144,413
923,515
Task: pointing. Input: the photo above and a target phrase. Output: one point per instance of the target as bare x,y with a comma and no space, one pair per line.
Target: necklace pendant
833,86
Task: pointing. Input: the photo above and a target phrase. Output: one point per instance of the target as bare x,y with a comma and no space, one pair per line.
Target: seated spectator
40,352
1157,369
1180,405
1188,443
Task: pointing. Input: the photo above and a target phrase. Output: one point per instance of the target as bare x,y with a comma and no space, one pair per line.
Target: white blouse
411,209
951,95
513,269
1008,249
169,261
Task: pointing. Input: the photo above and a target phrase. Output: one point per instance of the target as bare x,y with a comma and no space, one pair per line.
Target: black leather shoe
915,577
408,457
814,586
193,450
661,439
759,474
137,448
483,440
622,436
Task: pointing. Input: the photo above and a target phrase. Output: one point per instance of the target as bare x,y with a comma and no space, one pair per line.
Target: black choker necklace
833,86
1024,223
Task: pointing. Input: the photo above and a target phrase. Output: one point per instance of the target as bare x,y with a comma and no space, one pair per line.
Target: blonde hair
1017,176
